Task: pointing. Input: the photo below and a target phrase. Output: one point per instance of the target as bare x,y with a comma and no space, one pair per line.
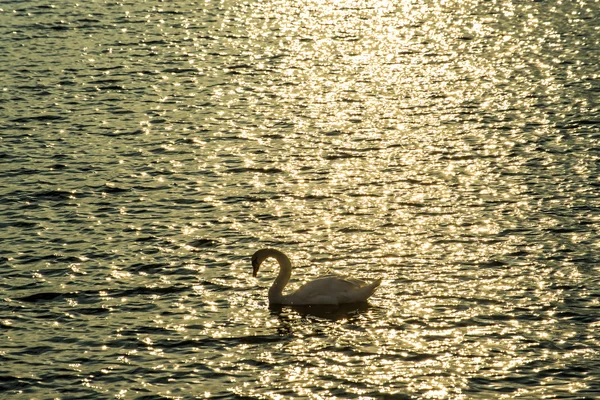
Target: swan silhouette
328,289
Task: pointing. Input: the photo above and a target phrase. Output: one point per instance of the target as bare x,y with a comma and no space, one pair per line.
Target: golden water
147,149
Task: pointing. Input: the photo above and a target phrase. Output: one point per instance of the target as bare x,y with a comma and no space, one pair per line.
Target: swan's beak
255,266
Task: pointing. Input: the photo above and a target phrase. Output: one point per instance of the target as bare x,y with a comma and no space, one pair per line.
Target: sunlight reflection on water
448,147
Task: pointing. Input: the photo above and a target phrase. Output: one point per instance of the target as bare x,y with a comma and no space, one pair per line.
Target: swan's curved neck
285,273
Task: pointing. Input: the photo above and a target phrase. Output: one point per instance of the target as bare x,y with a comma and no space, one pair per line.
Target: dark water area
147,149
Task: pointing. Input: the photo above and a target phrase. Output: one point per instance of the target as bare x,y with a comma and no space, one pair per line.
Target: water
149,148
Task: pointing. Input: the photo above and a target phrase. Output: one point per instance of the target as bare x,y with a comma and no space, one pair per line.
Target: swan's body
328,289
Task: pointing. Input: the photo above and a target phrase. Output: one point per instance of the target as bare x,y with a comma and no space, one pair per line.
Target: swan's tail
369,289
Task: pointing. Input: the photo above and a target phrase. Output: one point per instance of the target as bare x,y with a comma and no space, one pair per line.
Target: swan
327,289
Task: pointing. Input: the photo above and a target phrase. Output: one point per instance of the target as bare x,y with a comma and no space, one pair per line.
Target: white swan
328,289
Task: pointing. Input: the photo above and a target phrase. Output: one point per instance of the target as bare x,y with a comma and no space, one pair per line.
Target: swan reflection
324,311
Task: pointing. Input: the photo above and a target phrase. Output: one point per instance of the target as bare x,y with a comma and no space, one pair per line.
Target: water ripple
147,150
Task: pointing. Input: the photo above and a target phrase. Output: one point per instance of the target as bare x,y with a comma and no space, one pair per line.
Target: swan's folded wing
333,289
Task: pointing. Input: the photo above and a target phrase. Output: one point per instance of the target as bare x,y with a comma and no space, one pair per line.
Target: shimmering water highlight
147,149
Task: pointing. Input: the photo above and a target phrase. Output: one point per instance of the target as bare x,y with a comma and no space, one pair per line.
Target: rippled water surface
148,148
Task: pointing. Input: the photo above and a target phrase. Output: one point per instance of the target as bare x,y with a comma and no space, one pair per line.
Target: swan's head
257,258
256,261
261,255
